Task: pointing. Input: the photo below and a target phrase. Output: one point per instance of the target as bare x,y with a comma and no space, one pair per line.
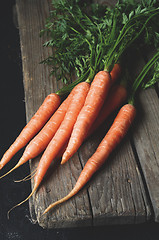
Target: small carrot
42,139
97,94
113,137
50,104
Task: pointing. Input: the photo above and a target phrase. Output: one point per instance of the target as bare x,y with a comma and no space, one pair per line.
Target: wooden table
125,190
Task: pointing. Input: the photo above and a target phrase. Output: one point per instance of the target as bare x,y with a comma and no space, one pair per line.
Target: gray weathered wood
116,194
146,139
146,136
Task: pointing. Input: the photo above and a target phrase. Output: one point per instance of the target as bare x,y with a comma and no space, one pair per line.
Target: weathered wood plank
146,139
37,85
146,136
116,194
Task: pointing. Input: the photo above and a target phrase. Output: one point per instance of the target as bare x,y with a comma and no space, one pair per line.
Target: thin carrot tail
28,177
78,186
25,200
11,170
62,200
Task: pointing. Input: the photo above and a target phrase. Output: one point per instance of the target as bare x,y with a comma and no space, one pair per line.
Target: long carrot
50,104
98,91
62,135
115,99
113,137
42,139
64,131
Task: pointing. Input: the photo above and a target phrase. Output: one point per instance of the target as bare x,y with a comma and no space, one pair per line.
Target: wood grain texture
116,194
146,139
146,135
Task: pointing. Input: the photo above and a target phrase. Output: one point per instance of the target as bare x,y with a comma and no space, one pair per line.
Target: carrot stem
140,80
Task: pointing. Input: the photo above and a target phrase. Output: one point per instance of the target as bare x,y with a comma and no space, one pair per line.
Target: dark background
12,116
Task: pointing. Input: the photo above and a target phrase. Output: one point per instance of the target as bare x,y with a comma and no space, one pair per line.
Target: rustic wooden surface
126,188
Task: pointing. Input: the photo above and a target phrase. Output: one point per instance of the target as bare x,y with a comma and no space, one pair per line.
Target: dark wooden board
118,193
146,139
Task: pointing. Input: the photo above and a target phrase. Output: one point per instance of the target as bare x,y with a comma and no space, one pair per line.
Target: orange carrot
42,139
113,137
61,136
94,101
45,111
115,99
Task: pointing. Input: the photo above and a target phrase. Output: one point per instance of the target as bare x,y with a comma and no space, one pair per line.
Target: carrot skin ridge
113,137
94,101
50,104
63,133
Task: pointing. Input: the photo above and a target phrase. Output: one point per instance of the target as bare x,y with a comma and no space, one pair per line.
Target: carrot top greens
143,81
85,41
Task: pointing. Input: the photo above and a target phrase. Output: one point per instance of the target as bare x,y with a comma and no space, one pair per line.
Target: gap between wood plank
143,180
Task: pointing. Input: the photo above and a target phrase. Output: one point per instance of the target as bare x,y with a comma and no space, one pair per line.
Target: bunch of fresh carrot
92,98
116,133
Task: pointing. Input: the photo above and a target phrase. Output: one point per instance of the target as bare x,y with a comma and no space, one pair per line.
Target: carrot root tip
28,177
65,158
17,205
11,170
1,166
62,200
